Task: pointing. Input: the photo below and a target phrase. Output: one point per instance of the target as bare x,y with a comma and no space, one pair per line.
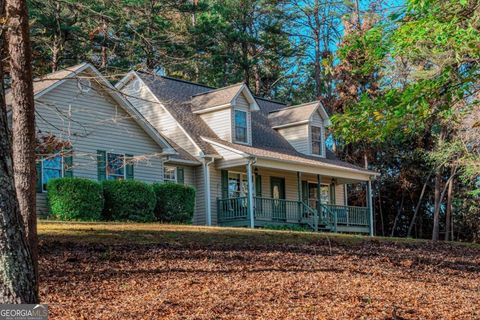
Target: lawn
154,271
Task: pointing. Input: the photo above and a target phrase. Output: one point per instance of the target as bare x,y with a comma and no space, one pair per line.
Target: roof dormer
227,111
303,126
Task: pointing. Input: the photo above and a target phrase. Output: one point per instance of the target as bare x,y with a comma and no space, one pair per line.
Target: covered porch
260,194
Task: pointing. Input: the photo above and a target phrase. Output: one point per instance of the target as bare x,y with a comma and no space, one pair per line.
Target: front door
278,195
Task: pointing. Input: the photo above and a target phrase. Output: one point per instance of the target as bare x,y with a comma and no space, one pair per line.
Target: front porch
277,197
281,212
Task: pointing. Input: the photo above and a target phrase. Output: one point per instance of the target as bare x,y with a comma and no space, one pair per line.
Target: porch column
250,194
319,201
370,205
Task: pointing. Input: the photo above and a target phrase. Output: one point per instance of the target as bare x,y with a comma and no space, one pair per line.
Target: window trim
322,184
242,174
234,133
322,150
176,174
107,163
62,167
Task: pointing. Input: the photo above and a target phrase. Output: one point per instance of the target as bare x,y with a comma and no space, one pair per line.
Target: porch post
319,202
370,206
250,194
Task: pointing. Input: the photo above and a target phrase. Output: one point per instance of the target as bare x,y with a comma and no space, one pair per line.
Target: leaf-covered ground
153,271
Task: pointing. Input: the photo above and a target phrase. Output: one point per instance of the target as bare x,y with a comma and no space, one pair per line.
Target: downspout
208,199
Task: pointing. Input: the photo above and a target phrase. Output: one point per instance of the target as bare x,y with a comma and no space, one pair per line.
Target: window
51,168
316,133
241,126
115,166
170,174
237,185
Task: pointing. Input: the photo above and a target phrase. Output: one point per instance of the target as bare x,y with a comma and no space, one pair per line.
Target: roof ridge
210,87
175,79
219,89
270,100
71,69
296,106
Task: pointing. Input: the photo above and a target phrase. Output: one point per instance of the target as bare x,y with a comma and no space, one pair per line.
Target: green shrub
75,199
128,200
175,202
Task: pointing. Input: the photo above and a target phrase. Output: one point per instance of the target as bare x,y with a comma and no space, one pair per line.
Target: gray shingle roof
292,114
215,98
42,83
176,96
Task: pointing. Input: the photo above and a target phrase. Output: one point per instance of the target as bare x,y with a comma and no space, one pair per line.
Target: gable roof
176,96
48,82
215,98
296,114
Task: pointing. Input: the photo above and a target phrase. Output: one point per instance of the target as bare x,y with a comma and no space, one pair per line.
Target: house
259,162
93,132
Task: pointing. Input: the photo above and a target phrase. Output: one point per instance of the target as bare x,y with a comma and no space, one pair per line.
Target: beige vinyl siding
340,194
297,136
220,122
93,121
241,103
199,216
291,192
158,116
317,121
215,191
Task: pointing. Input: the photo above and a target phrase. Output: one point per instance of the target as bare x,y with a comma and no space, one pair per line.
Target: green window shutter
38,184
68,163
332,194
180,176
258,185
224,181
128,167
101,165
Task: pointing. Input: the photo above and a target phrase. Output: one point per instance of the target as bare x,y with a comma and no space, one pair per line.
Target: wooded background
400,80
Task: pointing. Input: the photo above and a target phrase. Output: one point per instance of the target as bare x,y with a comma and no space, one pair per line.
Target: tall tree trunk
399,211
18,282
436,212
381,211
448,213
57,40
417,208
23,124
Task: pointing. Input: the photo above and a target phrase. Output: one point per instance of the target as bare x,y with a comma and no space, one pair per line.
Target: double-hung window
316,134
169,174
115,166
241,126
51,168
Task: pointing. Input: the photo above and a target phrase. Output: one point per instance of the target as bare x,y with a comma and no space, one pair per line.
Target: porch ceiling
306,175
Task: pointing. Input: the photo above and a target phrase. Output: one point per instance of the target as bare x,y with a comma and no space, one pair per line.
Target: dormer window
241,126
316,134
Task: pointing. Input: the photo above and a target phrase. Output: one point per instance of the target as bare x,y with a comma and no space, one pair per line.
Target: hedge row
120,200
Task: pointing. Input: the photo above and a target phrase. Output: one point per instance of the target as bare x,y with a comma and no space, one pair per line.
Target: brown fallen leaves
202,275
